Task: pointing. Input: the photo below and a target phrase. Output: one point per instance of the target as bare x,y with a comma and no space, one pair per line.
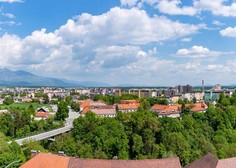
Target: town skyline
136,42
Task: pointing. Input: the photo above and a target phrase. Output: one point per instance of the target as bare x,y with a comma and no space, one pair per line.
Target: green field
25,105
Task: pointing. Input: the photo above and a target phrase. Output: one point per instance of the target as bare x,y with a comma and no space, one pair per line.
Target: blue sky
140,42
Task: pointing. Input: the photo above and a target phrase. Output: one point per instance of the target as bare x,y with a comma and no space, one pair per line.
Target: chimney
61,153
33,153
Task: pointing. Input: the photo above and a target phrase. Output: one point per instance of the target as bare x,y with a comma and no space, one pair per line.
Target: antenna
202,85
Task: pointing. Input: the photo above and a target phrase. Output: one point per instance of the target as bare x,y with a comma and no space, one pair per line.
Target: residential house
105,111
128,106
26,100
84,104
172,111
197,107
42,114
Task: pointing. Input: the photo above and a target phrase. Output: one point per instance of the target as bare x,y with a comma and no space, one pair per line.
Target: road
72,115
68,126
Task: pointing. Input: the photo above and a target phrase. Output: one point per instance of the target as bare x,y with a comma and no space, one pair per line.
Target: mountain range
23,78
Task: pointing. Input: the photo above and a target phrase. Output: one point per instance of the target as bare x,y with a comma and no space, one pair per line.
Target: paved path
68,126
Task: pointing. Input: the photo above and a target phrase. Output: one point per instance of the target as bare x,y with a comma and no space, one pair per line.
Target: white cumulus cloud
197,52
229,32
173,8
217,7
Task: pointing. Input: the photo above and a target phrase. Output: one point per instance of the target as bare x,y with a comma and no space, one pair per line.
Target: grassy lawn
26,105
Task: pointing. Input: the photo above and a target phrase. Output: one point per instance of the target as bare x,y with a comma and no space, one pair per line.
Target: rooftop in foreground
51,161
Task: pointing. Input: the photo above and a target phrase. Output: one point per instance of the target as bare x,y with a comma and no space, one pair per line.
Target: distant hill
23,78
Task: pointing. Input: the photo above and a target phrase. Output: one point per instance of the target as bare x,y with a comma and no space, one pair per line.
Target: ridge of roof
207,161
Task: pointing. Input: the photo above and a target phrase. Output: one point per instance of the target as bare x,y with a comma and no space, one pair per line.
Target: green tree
221,97
68,100
137,145
8,100
10,153
75,106
181,101
31,110
32,145
225,101
62,111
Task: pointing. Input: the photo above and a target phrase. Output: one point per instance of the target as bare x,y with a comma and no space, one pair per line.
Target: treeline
18,123
113,99
142,135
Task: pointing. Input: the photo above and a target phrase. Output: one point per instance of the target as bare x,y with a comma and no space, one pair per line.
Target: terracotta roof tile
128,106
201,106
104,110
166,109
196,108
44,160
227,163
42,114
85,110
207,161
148,163
84,104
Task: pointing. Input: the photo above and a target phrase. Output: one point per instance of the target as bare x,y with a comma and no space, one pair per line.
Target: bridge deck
45,135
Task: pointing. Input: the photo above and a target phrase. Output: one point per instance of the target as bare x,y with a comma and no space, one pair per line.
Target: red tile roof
207,161
148,163
227,163
158,107
42,114
197,108
103,110
210,161
85,104
201,106
85,110
44,160
166,109
128,106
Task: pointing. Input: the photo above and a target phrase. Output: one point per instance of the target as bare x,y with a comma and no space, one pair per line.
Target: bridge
46,135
